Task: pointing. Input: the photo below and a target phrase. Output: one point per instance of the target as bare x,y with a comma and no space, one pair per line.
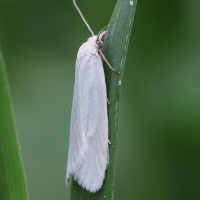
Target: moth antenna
74,2
112,23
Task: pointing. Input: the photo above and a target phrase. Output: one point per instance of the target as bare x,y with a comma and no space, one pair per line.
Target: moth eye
99,43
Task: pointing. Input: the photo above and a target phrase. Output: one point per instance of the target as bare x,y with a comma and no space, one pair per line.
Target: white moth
88,146
88,143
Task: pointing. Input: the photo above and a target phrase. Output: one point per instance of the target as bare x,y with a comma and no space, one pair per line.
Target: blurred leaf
12,177
115,50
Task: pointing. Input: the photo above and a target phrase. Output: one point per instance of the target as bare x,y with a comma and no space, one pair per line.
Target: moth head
100,39
99,43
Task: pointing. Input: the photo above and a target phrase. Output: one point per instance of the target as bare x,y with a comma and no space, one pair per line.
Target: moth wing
91,172
77,141
88,147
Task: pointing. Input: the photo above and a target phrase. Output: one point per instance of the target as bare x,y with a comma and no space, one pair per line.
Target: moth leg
108,101
109,142
100,52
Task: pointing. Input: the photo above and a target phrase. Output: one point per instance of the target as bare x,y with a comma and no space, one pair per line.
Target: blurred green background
158,152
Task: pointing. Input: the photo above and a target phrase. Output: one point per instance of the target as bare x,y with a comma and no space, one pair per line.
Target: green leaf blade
12,176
